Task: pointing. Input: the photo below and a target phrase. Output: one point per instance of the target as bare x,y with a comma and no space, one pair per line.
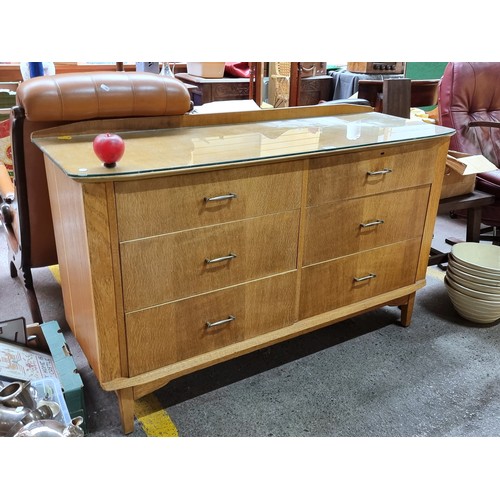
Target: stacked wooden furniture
217,235
205,90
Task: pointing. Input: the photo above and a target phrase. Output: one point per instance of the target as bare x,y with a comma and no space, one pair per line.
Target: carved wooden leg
126,403
20,269
13,269
407,310
13,254
29,289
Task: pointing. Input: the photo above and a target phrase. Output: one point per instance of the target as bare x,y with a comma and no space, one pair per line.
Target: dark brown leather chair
49,101
469,102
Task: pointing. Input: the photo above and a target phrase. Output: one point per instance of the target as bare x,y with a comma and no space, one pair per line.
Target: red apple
109,148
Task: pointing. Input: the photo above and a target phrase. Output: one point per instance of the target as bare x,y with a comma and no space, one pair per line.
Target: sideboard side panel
440,151
108,303
66,200
83,240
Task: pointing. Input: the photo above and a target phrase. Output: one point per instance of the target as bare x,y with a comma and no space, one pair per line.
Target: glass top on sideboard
178,149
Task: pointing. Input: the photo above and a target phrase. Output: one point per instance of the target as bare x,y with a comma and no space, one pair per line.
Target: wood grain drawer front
174,266
177,331
347,280
339,177
348,226
158,206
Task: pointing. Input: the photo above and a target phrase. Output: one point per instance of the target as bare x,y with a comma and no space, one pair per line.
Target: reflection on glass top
173,149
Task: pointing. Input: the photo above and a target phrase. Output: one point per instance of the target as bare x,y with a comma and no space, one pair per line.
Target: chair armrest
484,124
6,185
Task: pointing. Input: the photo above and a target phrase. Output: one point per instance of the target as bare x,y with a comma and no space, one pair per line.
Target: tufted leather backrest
50,101
470,92
107,94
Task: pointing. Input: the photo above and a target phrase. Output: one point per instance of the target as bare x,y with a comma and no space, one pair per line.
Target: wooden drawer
177,331
348,226
158,206
173,266
353,175
332,284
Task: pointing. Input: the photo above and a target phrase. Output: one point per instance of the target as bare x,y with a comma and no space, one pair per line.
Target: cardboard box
460,173
206,69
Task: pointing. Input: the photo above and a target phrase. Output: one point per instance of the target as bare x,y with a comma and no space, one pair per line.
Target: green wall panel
425,70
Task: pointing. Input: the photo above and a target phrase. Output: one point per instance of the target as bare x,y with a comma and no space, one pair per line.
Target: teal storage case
71,382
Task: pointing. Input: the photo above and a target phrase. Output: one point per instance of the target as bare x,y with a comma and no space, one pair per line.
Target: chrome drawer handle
374,223
221,197
220,259
221,322
364,278
380,172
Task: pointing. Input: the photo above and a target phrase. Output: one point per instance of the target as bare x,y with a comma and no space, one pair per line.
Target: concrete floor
364,377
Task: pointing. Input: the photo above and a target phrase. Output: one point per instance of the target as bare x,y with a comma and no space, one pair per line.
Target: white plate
471,301
482,273
494,291
481,256
476,319
468,310
485,297
469,275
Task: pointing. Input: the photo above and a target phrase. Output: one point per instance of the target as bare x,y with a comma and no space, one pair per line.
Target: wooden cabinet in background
215,89
311,90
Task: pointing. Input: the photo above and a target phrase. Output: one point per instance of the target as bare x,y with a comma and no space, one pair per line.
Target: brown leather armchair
469,102
49,101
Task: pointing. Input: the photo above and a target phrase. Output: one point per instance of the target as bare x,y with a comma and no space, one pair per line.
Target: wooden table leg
473,204
473,232
126,404
473,224
407,310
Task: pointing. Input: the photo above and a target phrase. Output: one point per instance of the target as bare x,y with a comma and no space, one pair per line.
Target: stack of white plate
473,281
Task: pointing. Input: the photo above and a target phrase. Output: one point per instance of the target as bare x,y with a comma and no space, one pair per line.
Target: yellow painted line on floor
435,272
153,418
55,272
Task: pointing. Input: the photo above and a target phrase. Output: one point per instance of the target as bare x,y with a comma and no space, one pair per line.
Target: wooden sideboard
217,235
